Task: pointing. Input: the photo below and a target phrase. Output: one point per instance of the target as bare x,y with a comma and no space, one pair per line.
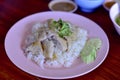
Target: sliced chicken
72,38
59,42
44,33
48,48
41,33
63,43
35,48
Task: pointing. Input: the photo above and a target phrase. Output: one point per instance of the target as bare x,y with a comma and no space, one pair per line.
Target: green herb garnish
62,28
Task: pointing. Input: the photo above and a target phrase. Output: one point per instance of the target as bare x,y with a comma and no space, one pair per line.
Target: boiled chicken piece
72,38
63,43
35,48
48,48
43,33
59,42
49,22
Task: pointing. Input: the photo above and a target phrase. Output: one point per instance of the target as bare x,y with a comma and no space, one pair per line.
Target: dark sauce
109,4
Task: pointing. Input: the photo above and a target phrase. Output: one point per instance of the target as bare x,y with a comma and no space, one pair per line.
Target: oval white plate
16,34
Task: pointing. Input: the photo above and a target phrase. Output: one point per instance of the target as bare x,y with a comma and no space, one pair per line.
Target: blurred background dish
62,5
114,16
89,5
108,4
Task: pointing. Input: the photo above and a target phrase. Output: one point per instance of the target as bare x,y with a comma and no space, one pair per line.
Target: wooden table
13,10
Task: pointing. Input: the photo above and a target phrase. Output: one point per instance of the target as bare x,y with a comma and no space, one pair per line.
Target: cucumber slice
96,42
88,54
89,58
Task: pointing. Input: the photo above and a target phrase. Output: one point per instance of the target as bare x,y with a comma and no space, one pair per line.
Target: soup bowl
114,11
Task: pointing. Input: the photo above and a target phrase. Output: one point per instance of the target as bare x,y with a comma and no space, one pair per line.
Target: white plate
16,34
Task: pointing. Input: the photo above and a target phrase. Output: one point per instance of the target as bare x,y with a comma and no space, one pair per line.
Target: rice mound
62,59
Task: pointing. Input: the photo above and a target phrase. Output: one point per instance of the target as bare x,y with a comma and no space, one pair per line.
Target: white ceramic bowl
88,5
113,13
66,7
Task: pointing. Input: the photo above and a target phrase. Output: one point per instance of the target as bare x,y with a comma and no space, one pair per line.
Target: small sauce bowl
108,4
62,5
